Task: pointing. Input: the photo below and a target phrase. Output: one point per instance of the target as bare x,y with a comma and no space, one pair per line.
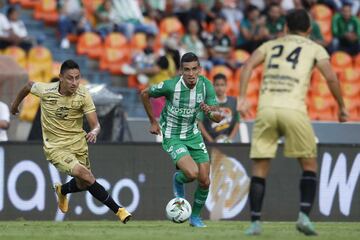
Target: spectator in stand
253,31
4,121
129,18
226,130
346,31
219,44
275,21
72,20
18,30
191,43
105,18
336,5
213,12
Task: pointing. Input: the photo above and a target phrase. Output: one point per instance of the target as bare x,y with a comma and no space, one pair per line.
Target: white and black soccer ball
178,210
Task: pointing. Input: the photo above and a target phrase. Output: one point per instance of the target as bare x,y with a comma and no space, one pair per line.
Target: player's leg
263,148
188,172
200,155
308,184
300,143
201,194
86,178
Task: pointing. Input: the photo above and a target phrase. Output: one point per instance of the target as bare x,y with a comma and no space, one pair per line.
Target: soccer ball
178,210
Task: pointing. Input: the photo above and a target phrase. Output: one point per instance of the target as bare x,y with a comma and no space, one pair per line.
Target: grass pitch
164,230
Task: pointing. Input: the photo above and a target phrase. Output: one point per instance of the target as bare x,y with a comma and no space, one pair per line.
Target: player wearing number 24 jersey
288,63
186,96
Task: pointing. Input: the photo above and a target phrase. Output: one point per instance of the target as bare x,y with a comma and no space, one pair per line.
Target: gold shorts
294,126
65,160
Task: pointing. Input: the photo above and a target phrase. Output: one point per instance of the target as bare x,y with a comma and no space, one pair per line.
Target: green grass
164,230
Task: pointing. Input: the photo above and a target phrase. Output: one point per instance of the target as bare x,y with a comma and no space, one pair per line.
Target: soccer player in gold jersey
288,63
63,105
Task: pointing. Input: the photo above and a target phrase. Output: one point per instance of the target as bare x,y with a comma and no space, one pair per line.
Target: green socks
181,178
199,200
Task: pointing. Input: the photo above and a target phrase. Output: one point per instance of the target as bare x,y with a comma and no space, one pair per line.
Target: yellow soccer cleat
123,215
63,202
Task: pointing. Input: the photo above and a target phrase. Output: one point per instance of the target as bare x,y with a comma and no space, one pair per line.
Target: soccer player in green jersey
186,96
63,106
288,63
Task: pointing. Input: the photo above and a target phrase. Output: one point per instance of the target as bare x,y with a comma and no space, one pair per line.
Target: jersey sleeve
89,105
210,94
321,53
160,89
38,89
200,116
264,47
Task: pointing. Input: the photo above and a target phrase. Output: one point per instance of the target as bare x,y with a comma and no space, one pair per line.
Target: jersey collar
183,82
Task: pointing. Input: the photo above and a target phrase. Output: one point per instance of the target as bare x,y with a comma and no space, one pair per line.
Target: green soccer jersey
179,116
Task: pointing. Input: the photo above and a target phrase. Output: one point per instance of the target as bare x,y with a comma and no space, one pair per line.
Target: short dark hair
189,57
67,65
298,20
10,11
219,76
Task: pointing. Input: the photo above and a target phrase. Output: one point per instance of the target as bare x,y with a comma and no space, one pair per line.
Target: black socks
257,192
103,196
307,191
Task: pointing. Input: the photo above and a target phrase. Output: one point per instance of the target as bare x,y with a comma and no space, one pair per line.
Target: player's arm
20,96
94,124
212,112
255,60
325,68
145,98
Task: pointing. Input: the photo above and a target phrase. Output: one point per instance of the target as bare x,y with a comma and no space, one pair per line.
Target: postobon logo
229,186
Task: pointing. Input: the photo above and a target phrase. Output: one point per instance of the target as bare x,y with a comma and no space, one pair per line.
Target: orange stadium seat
340,60
40,64
325,28
253,85
18,54
113,58
350,89
357,62
90,43
115,40
170,25
46,10
353,108
322,108
322,12
318,85
28,3
350,75
240,55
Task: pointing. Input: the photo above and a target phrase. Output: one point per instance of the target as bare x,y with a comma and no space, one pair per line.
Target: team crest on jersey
199,98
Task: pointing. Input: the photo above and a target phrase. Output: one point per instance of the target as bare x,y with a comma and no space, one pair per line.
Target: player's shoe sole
63,202
123,215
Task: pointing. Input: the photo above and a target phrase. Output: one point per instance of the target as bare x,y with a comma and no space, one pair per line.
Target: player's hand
91,137
243,107
155,128
343,115
206,108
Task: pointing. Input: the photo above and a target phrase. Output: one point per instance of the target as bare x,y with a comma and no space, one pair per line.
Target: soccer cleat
123,215
63,202
178,188
196,221
305,226
254,229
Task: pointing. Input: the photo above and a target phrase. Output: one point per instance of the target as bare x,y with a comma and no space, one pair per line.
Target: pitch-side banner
139,177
